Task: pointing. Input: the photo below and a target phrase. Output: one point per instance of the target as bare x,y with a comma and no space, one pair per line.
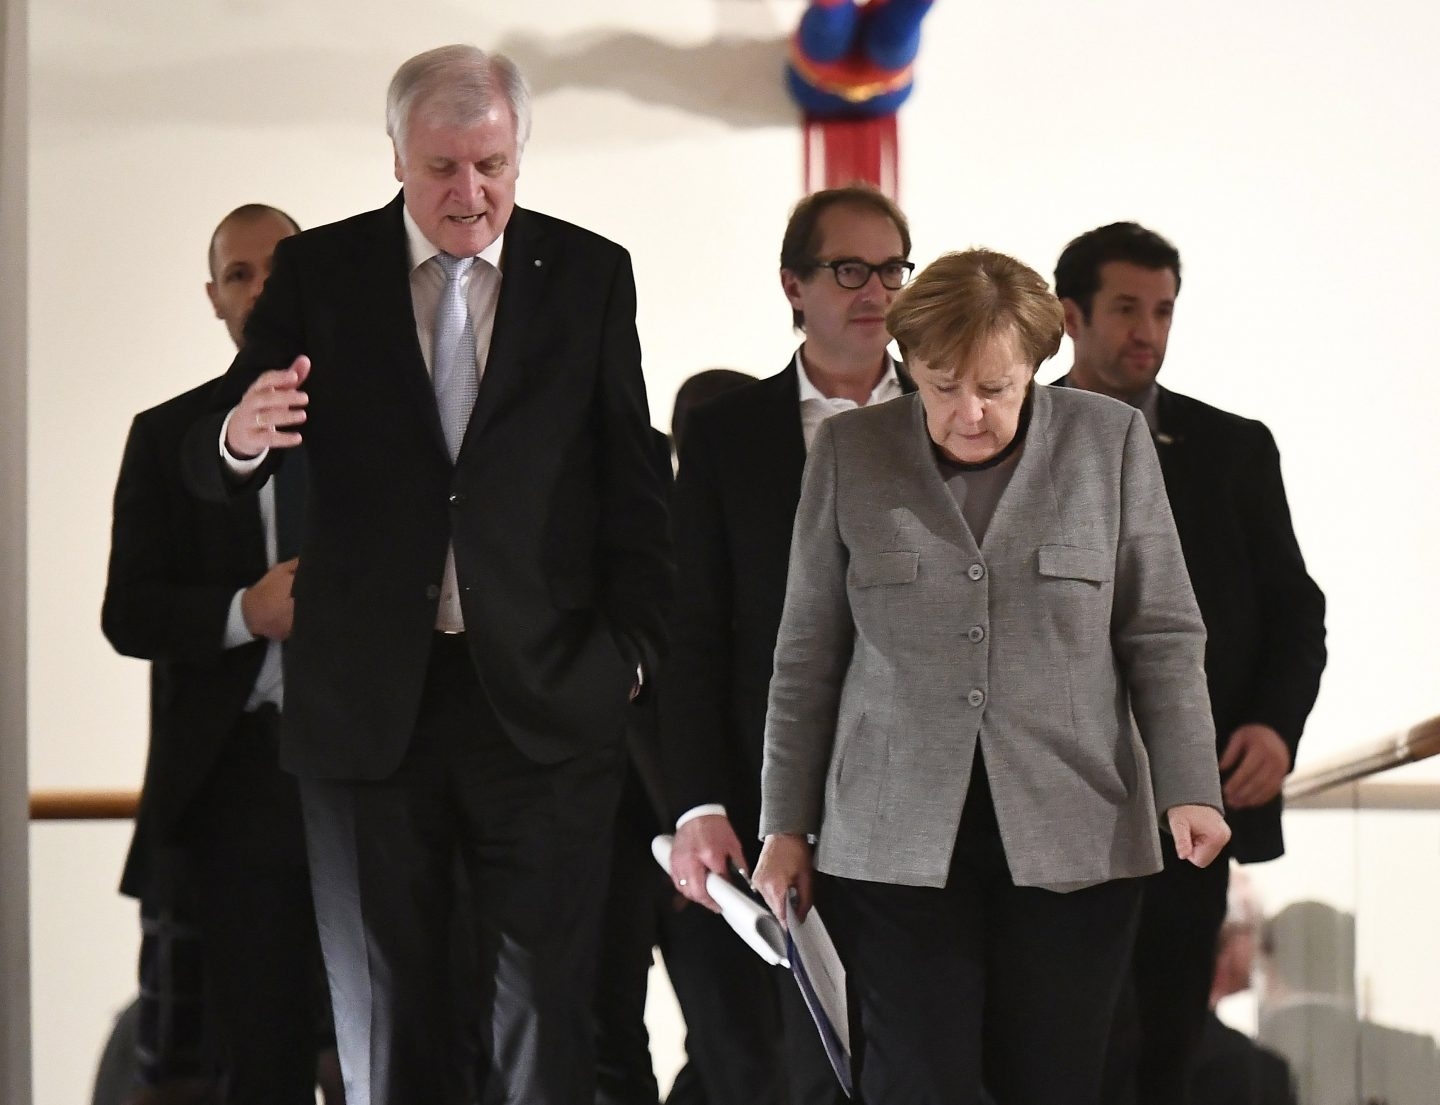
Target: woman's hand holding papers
785,862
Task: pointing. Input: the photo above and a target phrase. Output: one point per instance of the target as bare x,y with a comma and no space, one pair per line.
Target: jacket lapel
907,385
1175,452
525,268
1028,504
762,466
247,534
383,286
777,420
918,474
1170,436
1172,428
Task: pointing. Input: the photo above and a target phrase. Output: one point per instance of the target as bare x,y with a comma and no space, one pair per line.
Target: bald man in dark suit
231,982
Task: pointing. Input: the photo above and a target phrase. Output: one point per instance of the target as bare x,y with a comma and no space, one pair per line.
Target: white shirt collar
887,387
422,249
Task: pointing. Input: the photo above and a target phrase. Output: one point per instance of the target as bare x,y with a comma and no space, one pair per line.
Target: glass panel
1347,982
84,940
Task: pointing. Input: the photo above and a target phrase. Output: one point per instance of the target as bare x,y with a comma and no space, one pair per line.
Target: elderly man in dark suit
218,859
1264,621
481,591
843,257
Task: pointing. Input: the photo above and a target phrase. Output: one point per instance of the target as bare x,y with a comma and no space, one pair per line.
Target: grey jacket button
976,697
977,633
977,571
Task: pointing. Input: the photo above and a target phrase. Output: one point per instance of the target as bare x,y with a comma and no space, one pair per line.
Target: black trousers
635,905
264,992
173,1038
980,981
1163,1007
533,842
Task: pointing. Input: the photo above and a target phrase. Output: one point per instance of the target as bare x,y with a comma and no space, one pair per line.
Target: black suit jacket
1264,615
732,514
175,565
643,732
554,505
1232,1069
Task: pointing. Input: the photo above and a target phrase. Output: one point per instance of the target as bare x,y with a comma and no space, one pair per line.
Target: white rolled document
754,924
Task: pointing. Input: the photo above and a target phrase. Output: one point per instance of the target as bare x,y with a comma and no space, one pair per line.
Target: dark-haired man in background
230,975
1264,619
843,257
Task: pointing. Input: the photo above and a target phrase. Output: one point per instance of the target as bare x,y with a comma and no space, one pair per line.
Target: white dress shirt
816,406
269,688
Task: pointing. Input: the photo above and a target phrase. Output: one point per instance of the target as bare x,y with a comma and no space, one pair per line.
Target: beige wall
1286,148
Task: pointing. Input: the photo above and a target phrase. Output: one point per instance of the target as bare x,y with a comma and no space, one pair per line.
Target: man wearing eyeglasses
843,257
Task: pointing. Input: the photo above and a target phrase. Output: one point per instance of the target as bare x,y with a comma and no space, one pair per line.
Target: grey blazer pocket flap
1070,562
883,568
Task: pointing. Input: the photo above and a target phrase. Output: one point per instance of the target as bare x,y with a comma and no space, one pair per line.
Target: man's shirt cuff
237,466
709,809
236,631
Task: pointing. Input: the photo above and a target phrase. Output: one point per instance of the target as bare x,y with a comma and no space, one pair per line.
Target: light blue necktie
453,355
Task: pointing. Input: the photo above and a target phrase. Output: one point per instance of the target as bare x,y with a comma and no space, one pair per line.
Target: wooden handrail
83,805
1408,746
1372,794
1304,788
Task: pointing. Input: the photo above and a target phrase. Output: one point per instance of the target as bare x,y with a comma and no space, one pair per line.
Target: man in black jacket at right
1264,617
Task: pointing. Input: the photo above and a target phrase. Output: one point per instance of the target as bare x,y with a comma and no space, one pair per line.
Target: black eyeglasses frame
905,267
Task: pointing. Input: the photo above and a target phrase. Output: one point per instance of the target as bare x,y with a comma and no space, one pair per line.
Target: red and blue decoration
852,64
855,60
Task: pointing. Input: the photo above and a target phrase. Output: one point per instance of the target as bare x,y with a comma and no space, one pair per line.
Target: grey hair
458,85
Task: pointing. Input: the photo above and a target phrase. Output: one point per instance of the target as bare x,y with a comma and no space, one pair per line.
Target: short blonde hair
963,299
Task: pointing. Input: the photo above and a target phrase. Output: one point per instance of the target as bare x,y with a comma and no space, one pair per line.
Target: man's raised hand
270,412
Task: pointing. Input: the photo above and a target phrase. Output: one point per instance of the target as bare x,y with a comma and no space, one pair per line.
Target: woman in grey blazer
988,695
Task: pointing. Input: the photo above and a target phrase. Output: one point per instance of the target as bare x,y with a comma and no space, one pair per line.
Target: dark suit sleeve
634,545
643,732
146,613
273,339
1293,653
1276,1083
695,711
